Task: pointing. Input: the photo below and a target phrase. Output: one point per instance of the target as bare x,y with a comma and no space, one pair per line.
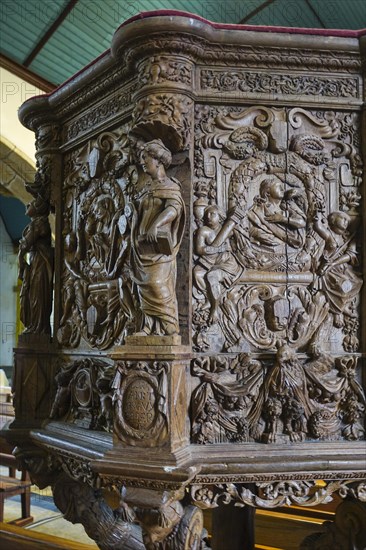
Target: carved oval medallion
139,405
83,388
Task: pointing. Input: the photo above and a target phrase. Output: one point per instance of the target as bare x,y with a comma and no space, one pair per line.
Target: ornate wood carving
109,528
274,269
141,403
253,82
84,394
123,227
207,277
272,247
348,530
242,399
273,494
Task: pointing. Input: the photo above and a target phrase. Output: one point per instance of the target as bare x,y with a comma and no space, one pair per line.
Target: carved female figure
339,282
275,219
156,234
36,270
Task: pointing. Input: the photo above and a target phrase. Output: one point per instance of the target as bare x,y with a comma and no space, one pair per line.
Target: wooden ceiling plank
26,74
255,11
55,25
314,12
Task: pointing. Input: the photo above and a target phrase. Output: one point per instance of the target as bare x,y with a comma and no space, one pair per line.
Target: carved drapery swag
207,279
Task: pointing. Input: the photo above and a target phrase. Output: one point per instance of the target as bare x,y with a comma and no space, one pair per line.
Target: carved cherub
217,265
105,392
338,280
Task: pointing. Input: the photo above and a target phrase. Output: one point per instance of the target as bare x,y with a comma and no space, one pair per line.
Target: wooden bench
11,486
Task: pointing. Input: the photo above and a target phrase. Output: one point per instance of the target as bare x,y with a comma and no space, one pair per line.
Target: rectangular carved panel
276,278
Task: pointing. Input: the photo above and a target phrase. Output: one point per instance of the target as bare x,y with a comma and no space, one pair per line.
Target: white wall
13,92
8,282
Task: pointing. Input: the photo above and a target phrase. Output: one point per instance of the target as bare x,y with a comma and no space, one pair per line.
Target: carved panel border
242,83
106,111
276,493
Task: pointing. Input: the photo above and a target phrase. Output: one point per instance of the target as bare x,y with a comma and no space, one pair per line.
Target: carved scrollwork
84,394
96,115
140,399
245,398
255,82
79,469
268,495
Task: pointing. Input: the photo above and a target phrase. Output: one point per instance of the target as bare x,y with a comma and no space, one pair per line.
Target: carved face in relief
212,216
271,189
149,164
154,156
339,222
277,314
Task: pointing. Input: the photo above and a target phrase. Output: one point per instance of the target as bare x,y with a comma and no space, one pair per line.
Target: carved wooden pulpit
194,336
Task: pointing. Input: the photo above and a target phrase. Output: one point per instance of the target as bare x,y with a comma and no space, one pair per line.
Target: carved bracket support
347,531
166,116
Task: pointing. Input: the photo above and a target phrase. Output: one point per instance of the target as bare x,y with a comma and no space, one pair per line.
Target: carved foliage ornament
110,107
166,116
163,69
273,494
264,83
